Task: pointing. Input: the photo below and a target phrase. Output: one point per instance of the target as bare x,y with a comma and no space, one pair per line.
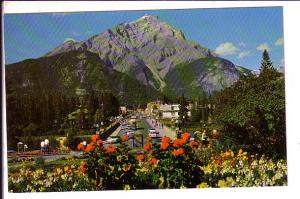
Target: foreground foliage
170,164
252,111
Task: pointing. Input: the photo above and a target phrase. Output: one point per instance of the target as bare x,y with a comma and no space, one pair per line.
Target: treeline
252,112
201,109
48,114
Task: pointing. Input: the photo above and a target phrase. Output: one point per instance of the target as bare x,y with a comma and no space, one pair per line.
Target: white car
111,140
153,133
130,133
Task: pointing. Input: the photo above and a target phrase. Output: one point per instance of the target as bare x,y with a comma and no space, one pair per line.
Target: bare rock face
148,49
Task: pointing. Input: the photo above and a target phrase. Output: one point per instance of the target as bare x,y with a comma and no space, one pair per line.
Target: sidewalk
116,132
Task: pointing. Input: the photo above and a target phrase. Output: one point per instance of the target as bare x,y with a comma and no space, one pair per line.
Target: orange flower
149,139
90,147
164,145
177,143
111,149
166,139
185,137
147,146
125,138
99,142
83,166
95,138
153,161
178,152
194,144
140,157
80,146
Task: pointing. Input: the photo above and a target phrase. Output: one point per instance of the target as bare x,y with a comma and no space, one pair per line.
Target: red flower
166,139
83,166
90,147
140,157
111,149
95,138
149,139
177,143
99,142
80,146
147,146
194,144
185,137
125,138
178,152
153,161
164,145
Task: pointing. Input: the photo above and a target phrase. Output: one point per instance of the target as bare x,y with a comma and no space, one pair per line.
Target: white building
170,111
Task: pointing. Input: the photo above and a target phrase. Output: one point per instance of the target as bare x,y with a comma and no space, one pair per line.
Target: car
130,133
112,139
153,133
124,127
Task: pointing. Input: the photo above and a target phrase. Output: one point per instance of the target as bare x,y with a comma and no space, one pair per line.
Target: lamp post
19,144
46,145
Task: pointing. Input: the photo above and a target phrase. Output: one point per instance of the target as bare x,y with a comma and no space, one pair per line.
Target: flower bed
241,170
171,164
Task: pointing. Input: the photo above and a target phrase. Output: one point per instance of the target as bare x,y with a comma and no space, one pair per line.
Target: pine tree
183,111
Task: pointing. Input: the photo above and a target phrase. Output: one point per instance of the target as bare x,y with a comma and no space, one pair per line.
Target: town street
165,131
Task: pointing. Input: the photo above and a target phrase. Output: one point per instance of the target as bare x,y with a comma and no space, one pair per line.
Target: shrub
39,162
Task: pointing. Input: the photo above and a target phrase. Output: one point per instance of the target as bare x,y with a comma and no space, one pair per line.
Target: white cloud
244,54
279,42
226,48
262,47
242,44
282,62
75,34
69,39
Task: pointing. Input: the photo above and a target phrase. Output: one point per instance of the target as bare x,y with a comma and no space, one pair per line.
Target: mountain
204,75
146,49
66,72
132,59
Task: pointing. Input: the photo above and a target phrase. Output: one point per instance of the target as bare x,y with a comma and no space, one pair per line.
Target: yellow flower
59,170
240,152
119,158
66,168
202,185
227,153
182,187
222,183
127,187
232,154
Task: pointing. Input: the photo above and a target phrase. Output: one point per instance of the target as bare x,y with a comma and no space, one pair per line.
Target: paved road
165,131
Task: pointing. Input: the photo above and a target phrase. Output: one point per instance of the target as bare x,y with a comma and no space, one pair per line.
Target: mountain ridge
151,52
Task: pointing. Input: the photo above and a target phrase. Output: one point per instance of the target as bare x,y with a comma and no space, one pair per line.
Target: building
153,108
123,109
171,111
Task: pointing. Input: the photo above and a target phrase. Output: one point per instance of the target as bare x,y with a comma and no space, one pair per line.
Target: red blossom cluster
147,146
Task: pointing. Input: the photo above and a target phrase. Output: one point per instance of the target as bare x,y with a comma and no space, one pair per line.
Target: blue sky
237,34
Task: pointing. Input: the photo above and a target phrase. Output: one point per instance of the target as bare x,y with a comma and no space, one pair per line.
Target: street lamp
46,145
19,144
42,146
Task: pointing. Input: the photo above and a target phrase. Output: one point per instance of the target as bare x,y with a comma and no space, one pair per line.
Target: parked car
112,139
130,133
153,133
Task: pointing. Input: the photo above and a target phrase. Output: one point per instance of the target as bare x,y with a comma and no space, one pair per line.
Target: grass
142,127
48,165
